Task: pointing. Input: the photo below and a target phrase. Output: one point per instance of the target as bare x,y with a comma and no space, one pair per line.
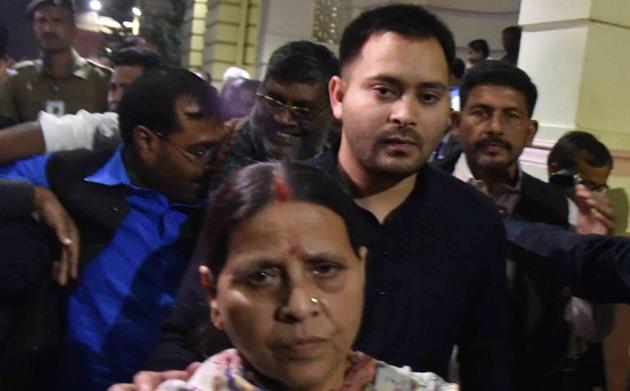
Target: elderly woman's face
290,295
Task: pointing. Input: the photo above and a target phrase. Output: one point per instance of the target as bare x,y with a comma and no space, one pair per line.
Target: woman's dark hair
252,188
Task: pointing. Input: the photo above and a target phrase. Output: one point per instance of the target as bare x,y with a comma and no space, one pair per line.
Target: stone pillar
193,31
231,36
575,51
283,21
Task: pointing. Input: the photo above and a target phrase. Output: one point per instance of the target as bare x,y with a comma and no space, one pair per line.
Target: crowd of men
117,167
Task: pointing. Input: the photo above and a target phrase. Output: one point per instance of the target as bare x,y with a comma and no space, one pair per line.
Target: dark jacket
538,298
98,211
37,330
595,267
25,330
24,272
16,199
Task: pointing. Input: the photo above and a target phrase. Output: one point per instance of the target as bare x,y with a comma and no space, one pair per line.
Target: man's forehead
296,90
194,126
51,10
596,174
498,94
188,106
418,58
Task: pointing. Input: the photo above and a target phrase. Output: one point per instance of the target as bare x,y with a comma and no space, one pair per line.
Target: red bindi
294,249
281,190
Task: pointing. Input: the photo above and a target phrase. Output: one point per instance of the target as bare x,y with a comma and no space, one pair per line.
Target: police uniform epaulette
97,65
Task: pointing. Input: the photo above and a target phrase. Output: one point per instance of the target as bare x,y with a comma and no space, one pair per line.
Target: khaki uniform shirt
31,89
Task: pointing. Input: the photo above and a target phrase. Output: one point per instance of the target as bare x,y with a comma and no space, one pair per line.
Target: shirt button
381,292
55,88
115,208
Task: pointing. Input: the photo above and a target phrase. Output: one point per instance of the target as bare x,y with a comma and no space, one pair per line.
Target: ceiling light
95,5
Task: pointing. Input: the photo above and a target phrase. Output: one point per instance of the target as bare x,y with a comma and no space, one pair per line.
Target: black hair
514,31
492,72
411,21
137,56
567,150
66,4
250,189
302,62
4,39
150,101
480,45
458,68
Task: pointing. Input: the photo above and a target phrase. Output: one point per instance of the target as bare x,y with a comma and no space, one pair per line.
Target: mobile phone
564,178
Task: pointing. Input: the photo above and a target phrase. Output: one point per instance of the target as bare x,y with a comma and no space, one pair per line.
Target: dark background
21,41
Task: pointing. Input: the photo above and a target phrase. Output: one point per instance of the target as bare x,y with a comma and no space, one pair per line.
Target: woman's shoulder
385,377
214,374
224,372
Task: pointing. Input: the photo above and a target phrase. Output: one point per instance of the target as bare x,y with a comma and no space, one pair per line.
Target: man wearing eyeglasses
580,153
291,117
136,210
579,158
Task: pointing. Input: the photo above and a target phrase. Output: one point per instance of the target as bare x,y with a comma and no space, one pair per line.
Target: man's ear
146,142
336,92
209,285
455,118
532,129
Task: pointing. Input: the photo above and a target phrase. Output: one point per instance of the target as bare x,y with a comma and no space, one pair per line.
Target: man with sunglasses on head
136,209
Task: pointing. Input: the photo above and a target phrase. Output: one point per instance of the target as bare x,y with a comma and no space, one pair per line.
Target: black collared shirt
435,279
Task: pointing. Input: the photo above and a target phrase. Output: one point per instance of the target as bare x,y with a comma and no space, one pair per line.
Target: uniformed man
61,81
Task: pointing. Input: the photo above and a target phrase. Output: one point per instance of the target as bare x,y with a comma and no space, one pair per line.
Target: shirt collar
506,197
80,66
463,173
112,173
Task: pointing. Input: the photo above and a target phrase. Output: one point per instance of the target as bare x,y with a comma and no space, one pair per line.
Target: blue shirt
126,291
